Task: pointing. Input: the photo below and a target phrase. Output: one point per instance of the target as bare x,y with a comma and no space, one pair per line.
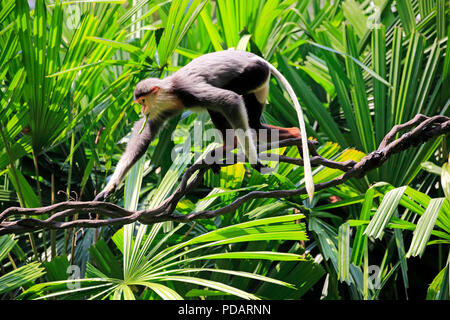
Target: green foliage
159,268
22,276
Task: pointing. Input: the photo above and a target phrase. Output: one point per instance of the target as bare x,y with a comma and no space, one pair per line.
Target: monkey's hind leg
231,106
254,103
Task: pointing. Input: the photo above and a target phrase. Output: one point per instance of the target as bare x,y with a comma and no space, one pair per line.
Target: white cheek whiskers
161,102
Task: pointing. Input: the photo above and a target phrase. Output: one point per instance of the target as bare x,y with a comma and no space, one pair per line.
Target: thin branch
426,128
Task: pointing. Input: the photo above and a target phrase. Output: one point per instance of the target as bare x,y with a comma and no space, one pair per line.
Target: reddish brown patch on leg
295,133
286,133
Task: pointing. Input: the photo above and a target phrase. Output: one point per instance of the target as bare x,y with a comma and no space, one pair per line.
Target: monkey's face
145,94
147,102
155,98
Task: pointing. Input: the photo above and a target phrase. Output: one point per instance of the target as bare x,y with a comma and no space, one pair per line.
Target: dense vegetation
67,74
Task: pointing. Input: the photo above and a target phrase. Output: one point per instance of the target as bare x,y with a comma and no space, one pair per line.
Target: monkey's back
234,70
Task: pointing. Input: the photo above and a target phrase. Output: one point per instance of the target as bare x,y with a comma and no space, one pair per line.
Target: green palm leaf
384,213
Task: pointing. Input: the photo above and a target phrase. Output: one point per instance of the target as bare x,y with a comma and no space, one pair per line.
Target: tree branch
426,128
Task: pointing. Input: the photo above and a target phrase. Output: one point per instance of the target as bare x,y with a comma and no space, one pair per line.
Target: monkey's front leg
136,147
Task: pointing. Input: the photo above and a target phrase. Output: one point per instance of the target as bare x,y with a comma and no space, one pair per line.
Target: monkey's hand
105,193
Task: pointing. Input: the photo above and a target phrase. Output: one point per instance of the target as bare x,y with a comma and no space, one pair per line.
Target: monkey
231,85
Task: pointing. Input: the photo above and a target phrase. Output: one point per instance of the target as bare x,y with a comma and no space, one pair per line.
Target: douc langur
231,85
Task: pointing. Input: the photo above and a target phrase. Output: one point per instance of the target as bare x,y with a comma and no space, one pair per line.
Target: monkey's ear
154,90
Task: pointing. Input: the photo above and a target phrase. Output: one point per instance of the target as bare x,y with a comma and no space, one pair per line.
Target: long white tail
306,163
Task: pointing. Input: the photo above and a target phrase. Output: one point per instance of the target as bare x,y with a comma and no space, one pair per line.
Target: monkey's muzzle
145,109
